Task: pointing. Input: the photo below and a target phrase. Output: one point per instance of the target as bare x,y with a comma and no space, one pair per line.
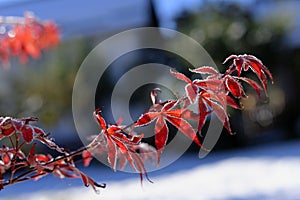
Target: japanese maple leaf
218,83
191,89
211,82
162,112
233,85
221,87
121,146
213,95
61,168
227,82
244,62
9,126
7,155
211,102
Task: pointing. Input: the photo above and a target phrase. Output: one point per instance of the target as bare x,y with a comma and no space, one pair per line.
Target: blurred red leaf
26,37
87,157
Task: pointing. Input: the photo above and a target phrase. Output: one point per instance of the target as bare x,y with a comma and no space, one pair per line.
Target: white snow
271,172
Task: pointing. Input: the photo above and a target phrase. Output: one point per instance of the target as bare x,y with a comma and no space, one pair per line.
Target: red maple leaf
120,146
216,103
166,112
218,83
244,62
61,168
211,94
191,89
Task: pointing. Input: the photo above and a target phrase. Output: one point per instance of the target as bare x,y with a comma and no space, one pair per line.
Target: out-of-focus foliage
43,88
25,37
228,28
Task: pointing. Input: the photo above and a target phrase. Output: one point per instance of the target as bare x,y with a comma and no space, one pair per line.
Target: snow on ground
267,172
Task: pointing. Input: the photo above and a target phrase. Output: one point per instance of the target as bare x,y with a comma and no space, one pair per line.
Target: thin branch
23,177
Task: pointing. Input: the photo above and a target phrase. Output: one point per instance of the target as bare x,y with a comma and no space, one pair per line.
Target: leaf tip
200,134
205,149
232,133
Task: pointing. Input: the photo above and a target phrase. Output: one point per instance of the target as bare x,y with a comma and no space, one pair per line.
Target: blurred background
268,29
